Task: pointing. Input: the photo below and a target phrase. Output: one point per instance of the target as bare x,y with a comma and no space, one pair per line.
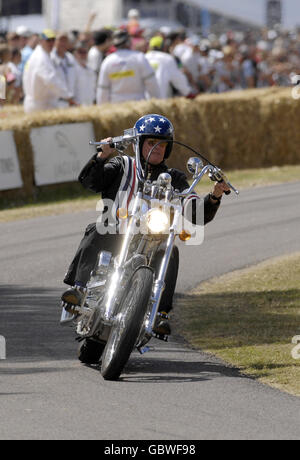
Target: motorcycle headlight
157,221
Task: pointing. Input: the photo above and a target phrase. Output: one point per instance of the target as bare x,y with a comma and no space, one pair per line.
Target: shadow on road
29,321
173,371
174,368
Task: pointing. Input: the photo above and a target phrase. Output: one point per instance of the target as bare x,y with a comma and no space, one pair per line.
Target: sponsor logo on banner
10,175
61,151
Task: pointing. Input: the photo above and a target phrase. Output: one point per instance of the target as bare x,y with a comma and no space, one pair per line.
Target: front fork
159,284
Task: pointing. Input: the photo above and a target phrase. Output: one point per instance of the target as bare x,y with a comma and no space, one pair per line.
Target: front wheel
128,323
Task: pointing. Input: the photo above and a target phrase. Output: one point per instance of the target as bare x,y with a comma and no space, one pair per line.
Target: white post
2,347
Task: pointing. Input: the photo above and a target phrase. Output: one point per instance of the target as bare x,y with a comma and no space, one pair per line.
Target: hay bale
281,140
238,129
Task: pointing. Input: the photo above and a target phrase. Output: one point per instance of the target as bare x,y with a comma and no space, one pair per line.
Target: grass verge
249,318
73,198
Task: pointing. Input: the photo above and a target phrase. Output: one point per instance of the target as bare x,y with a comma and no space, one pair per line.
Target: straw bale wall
236,130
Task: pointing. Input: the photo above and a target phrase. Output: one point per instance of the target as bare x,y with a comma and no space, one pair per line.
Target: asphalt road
171,393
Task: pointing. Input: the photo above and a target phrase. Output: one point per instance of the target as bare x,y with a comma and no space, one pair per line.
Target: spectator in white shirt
42,85
64,63
179,43
166,70
85,88
191,61
126,75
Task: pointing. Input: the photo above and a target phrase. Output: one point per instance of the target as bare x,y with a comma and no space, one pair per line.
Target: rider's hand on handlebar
220,188
105,151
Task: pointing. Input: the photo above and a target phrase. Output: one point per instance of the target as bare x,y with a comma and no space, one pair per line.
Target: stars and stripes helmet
155,126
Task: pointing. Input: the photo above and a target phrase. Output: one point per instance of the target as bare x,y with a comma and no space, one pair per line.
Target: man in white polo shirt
126,75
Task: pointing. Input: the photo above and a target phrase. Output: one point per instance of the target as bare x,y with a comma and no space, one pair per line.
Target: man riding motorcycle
112,176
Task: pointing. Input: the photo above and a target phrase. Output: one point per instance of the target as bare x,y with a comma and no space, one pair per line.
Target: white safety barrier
61,151
10,175
2,347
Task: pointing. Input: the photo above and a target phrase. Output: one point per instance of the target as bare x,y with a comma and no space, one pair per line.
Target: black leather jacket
104,176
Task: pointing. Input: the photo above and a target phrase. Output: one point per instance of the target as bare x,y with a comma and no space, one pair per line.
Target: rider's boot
72,298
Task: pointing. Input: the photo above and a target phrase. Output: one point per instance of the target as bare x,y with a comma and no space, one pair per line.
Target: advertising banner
61,151
10,175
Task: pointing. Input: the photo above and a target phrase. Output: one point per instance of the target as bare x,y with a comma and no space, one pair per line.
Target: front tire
130,317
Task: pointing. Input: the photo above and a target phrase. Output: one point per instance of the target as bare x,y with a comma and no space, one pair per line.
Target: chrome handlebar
121,142
130,136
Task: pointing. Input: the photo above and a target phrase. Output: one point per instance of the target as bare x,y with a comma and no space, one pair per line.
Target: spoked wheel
128,323
90,351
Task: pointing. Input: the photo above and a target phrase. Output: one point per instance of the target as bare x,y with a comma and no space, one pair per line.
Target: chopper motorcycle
121,301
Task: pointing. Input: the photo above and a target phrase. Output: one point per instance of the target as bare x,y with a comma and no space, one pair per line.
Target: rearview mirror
194,165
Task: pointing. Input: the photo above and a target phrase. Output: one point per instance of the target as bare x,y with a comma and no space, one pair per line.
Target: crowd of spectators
52,70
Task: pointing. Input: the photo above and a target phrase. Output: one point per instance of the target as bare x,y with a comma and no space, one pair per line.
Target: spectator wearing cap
24,33
126,75
102,43
133,21
85,88
166,70
191,61
42,85
138,41
65,64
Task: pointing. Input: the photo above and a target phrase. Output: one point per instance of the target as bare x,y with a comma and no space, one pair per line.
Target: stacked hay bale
241,129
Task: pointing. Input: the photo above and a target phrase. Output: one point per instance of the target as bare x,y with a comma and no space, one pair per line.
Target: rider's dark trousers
86,257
